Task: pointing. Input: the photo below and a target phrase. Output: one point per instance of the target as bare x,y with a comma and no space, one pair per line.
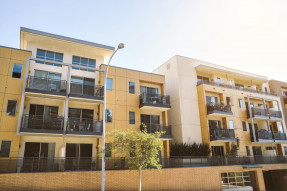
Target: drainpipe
251,119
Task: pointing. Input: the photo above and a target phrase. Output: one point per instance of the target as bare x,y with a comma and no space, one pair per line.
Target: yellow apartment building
221,105
52,98
12,72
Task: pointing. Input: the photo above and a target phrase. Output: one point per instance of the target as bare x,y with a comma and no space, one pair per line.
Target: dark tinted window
5,148
11,107
244,126
131,87
132,117
17,71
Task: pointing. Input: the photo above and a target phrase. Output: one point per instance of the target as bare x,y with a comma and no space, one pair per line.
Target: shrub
185,149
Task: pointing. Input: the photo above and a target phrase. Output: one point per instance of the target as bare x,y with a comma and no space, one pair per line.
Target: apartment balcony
42,124
222,134
275,115
279,137
262,136
233,87
38,85
218,109
258,113
81,91
154,101
77,126
152,128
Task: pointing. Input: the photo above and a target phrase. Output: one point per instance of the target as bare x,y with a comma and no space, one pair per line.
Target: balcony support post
23,96
66,107
251,119
268,123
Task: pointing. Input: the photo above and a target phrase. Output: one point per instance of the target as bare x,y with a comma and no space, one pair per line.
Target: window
87,62
131,87
84,86
248,151
218,80
214,124
132,117
150,91
280,127
41,150
235,179
228,100
211,99
239,86
5,148
11,107
270,148
231,125
244,126
109,115
17,70
108,150
240,103
285,150
49,55
284,93
110,84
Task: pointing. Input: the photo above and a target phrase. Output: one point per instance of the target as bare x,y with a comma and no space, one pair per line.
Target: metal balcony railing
262,135
84,126
46,84
152,128
221,134
275,114
89,90
279,136
218,108
155,99
258,112
234,87
31,165
42,122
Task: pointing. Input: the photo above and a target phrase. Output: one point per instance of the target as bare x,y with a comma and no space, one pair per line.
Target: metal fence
87,89
84,125
24,165
275,114
43,122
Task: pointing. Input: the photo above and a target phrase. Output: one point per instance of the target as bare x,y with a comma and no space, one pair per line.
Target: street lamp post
120,46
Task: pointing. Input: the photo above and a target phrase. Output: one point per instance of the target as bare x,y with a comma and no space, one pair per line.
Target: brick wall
200,178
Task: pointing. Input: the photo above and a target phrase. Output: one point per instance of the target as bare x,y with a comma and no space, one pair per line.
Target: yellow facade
10,89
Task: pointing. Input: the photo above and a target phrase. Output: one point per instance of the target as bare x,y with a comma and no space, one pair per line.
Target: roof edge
15,48
66,38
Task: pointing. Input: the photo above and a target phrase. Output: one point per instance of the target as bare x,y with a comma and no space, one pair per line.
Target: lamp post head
121,45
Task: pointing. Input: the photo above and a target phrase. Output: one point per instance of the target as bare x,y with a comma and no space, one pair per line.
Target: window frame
241,179
231,122
240,103
20,72
48,58
134,117
112,84
15,108
244,129
107,116
1,142
81,64
134,85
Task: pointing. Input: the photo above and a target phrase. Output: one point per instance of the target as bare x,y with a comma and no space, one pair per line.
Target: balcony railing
262,135
218,108
46,84
154,99
233,87
31,165
32,123
278,136
258,112
84,126
275,114
87,90
222,134
152,128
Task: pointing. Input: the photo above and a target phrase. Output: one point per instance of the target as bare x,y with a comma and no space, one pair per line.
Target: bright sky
249,35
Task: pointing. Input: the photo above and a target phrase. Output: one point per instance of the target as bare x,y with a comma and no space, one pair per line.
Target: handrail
47,84
146,98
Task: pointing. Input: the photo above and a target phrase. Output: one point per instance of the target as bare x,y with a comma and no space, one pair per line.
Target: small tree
139,147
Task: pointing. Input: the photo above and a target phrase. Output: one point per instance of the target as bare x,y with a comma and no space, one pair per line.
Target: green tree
140,148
